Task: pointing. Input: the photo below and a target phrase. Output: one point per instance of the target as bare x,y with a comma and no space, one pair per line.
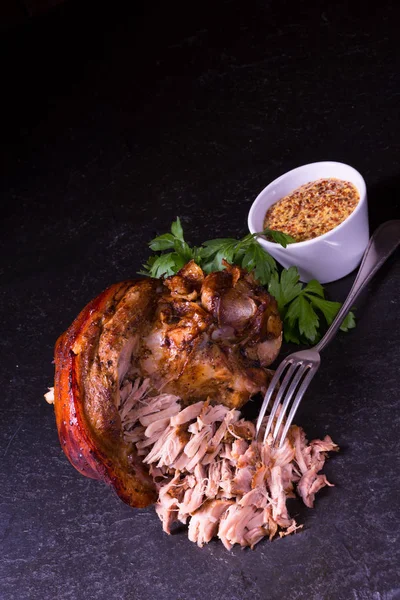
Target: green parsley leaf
256,259
197,254
302,312
285,288
215,250
314,287
291,332
212,247
183,250
349,322
330,309
176,229
180,261
163,265
147,267
278,236
162,242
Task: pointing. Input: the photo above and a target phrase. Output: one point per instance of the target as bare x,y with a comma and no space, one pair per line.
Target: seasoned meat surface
212,336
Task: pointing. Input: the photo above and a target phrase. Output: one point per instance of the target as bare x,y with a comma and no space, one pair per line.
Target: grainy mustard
313,209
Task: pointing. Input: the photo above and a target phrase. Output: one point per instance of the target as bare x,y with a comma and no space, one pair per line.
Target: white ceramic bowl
331,255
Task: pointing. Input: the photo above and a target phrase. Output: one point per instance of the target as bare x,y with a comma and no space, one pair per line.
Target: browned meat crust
210,336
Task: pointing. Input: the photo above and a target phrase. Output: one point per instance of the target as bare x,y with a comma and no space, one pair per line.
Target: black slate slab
118,119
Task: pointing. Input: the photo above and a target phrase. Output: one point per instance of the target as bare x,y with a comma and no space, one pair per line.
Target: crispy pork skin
89,360
193,336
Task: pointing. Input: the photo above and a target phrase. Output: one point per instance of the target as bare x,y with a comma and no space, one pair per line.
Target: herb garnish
300,306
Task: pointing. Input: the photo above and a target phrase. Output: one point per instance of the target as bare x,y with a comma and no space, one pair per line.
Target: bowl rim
362,189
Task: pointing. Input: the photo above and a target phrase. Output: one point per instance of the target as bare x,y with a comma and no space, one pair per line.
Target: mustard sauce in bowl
313,208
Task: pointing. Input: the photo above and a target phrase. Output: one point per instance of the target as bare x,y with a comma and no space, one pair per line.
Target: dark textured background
116,120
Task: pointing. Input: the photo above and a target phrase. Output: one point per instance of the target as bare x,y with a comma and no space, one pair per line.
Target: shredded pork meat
211,473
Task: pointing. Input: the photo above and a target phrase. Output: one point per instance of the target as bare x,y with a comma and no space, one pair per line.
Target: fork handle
382,244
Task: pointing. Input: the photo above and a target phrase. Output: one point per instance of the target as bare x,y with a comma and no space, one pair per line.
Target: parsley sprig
302,306
304,309
169,263
173,252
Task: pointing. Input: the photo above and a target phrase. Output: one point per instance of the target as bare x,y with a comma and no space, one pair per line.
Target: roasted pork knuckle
198,337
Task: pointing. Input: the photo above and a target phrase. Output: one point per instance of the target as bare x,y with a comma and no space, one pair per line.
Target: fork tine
297,400
293,386
268,395
278,398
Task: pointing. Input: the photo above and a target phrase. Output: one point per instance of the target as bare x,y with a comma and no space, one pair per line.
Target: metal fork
298,369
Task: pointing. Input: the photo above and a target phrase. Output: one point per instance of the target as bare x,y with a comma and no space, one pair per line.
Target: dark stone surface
117,121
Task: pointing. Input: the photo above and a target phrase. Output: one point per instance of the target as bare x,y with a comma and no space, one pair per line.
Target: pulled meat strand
211,472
